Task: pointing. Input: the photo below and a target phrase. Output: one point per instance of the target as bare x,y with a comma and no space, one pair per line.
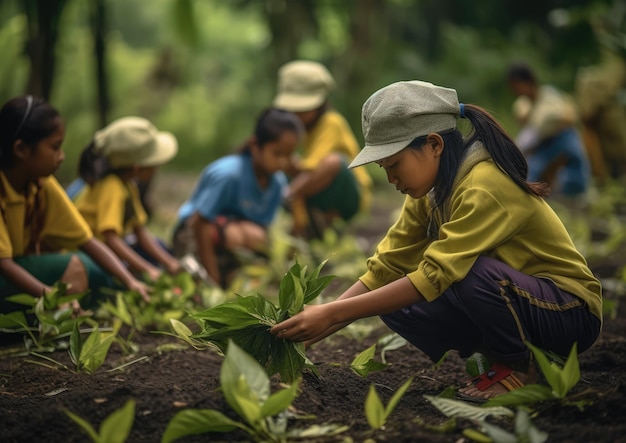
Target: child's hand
153,274
304,326
174,267
141,288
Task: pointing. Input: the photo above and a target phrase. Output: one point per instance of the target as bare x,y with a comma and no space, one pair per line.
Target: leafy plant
171,297
54,315
524,431
248,319
390,342
90,354
114,429
561,381
246,388
457,408
375,412
364,363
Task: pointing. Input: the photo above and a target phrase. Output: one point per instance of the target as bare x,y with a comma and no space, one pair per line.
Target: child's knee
75,275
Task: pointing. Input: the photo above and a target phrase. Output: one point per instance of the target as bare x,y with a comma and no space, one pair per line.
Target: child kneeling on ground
477,260
38,221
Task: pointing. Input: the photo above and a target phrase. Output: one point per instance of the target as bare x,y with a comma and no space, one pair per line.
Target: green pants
48,268
342,195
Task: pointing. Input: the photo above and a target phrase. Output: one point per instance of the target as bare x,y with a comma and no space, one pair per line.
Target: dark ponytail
91,165
502,149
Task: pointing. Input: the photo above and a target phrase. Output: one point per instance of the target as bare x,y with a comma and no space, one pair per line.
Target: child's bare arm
21,278
125,253
149,244
104,257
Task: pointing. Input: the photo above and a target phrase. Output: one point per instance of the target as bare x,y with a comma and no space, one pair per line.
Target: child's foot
497,380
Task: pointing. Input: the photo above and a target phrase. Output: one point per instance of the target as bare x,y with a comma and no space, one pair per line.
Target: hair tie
462,110
29,108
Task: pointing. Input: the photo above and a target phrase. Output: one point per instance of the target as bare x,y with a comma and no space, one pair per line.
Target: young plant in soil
54,317
89,354
246,388
375,412
171,297
115,428
248,319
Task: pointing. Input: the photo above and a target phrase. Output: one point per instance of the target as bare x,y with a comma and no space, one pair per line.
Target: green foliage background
204,69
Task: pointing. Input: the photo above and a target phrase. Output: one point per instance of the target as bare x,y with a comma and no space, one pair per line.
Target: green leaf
22,299
198,421
13,319
559,379
526,395
456,408
238,365
76,345
298,296
363,364
316,431
94,350
279,401
122,309
571,372
476,364
524,428
364,356
393,402
285,291
247,402
181,329
84,424
390,342
116,427
374,410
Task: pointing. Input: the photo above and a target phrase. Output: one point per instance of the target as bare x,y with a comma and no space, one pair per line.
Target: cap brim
298,103
372,153
167,147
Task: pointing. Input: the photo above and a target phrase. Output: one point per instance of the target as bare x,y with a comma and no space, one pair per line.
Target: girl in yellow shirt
128,150
37,219
477,261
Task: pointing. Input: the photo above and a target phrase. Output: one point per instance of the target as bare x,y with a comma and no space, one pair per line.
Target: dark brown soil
33,397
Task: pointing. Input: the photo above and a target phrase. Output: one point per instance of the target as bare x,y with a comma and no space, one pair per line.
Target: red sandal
497,373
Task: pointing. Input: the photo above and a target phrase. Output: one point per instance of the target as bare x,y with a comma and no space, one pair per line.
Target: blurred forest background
203,69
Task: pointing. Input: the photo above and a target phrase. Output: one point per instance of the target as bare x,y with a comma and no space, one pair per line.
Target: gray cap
397,114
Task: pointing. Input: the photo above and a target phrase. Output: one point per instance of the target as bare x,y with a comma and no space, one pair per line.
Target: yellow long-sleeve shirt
488,215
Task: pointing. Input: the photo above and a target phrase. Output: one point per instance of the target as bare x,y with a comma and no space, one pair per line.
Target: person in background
322,188
477,260
549,138
128,150
238,196
601,98
43,238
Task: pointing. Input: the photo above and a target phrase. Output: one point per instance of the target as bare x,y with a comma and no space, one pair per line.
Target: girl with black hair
477,260
38,220
238,196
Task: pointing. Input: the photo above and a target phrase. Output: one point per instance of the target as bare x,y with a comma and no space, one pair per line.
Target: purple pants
493,310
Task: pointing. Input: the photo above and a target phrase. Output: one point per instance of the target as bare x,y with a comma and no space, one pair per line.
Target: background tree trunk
43,18
98,27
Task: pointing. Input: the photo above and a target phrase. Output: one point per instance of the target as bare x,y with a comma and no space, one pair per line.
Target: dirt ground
33,397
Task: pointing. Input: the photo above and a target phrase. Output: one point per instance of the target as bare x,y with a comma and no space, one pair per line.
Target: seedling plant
246,387
248,319
54,317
